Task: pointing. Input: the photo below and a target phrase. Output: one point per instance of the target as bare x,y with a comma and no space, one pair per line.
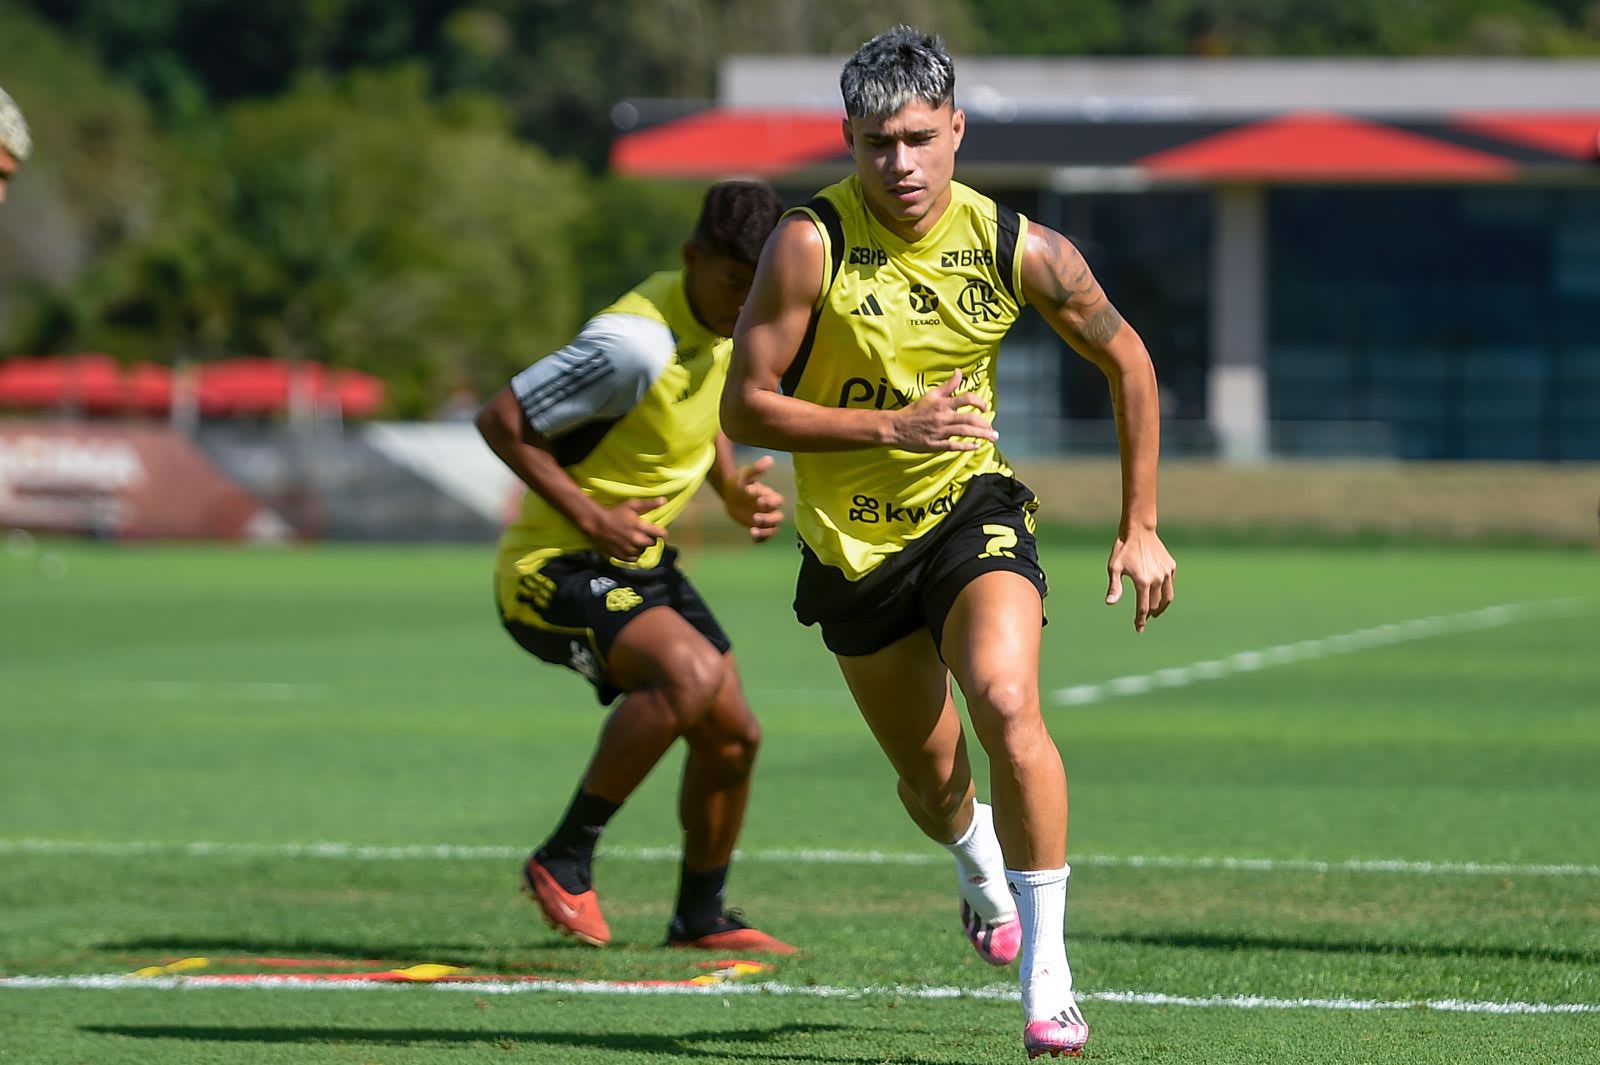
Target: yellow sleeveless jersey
638,394
894,320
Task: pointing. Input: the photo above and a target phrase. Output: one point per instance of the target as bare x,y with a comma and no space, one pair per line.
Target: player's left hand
756,506
1140,556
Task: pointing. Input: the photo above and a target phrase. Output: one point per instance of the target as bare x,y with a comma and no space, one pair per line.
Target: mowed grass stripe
1427,807
800,856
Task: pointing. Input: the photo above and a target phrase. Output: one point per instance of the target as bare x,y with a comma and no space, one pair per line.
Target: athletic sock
700,899
1042,904
569,852
980,867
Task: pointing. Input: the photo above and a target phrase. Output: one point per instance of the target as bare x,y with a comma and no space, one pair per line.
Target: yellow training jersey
630,408
894,320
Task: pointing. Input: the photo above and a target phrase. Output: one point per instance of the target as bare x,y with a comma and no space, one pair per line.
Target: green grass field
1339,805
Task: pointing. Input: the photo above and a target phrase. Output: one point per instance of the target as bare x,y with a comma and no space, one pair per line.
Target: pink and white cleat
997,942
1065,1033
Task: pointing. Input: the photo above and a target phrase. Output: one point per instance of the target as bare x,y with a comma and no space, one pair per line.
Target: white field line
1283,654
798,856
604,987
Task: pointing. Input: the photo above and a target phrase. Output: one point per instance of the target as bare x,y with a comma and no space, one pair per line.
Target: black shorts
990,528
581,603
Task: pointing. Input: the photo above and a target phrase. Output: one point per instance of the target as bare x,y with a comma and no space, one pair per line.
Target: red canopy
90,381
96,384
266,386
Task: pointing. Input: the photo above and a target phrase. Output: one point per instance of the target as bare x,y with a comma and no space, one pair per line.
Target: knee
691,685
728,740
738,749
1005,714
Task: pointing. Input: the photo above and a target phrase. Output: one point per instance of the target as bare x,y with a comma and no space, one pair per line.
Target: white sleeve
607,368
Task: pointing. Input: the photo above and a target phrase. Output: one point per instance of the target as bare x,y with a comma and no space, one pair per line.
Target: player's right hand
620,532
942,420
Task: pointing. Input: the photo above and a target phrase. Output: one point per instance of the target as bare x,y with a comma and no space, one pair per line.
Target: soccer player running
613,434
867,348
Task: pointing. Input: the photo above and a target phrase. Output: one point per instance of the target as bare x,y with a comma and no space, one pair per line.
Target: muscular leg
991,642
704,703
903,692
671,674
716,776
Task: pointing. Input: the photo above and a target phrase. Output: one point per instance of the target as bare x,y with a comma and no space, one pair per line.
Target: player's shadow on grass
1208,941
685,1045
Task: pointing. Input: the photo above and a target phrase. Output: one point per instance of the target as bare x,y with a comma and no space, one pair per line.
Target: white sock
1042,904
980,867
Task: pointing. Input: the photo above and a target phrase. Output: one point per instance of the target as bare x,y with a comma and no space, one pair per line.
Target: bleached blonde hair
895,67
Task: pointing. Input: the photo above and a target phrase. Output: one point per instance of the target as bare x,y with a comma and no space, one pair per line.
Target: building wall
1438,323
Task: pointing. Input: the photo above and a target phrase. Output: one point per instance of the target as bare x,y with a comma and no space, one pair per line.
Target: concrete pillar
1236,388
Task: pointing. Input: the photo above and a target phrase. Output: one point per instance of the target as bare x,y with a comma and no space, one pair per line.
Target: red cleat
731,935
575,915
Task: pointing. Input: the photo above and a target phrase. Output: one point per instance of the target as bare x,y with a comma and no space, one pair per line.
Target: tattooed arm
1060,285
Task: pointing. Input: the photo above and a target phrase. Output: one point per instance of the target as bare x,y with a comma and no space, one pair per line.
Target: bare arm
618,532
756,506
767,339
1057,281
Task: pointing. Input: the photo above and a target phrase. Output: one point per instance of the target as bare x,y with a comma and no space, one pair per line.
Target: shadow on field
1207,941
684,1045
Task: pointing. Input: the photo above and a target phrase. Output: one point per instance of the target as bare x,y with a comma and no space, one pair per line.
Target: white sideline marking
108,982
800,856
1489,617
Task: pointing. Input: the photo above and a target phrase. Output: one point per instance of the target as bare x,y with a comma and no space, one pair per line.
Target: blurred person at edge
15,144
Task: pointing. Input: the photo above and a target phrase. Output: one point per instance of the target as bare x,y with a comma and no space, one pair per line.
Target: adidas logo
869,307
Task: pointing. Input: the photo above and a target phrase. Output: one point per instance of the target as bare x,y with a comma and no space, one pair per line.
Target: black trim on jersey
828,215
1005,251
592,368
572,448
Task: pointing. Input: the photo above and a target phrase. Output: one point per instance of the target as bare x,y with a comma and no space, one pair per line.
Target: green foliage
632,229
355,223
1046,27
1289,27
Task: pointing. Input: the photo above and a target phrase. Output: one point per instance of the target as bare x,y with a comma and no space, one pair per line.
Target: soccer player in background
612,435
15,143
867,348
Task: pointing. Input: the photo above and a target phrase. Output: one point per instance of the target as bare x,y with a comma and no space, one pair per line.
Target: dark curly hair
736,218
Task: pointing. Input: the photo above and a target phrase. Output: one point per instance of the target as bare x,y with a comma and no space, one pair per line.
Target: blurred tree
1044,27
184,55
359,224
561,65
632,229
1290,27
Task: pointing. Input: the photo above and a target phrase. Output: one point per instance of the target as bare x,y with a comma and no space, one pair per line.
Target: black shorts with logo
583,602
989,528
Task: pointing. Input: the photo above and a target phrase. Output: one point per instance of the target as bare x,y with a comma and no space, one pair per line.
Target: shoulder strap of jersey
1006,249
826,216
